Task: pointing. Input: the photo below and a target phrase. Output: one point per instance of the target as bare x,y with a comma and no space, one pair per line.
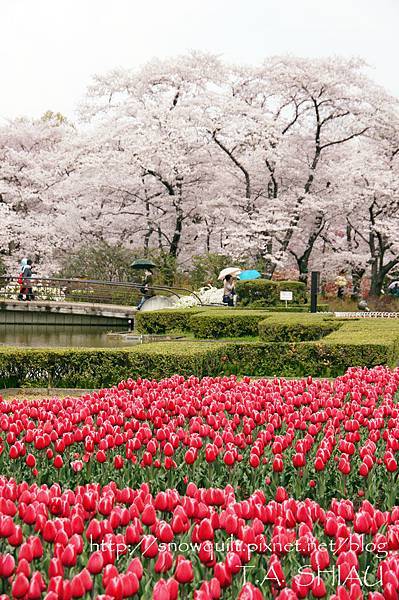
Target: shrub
164,321
94,368
226,324
297,359
273,330
266,293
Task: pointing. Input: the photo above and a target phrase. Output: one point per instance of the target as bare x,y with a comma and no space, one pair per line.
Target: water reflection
32,336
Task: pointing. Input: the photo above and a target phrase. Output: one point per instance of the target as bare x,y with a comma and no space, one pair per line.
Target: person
341,282
146,288
228,290
22,266
394,289
362,305
26,283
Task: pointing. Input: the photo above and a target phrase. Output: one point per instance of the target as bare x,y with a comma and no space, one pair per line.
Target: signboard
285,296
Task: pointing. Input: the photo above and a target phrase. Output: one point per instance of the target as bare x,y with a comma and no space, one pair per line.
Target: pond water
32,336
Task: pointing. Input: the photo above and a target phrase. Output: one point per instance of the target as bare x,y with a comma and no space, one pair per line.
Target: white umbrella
234,271
393,285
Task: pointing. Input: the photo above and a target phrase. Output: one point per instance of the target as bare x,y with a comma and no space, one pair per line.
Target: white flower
207,295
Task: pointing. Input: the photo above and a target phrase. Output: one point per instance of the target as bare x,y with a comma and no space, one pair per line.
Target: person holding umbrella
227,275
147,266
229,290
393,289
146,288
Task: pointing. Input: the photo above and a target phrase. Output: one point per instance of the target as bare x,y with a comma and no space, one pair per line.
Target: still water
32,336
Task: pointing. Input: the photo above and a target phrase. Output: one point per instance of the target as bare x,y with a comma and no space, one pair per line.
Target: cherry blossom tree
294,162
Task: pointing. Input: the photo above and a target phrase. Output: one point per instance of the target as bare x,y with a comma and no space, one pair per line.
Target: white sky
50,48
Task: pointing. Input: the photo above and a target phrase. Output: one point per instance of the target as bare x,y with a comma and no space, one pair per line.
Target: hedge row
299,359
233,323
355,343
95,368
226,324
265,292
296,328
164,321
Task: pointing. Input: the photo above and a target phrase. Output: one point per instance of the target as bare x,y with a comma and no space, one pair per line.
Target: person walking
229,290
26,283
341,282
146,288
22,266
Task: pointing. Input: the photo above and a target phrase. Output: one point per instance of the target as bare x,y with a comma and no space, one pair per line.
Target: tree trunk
357,276
174,245
303,268
377,279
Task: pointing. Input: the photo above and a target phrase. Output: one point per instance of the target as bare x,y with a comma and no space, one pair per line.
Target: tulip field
204,488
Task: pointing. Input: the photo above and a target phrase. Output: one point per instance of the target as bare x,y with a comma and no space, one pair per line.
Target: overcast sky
50,48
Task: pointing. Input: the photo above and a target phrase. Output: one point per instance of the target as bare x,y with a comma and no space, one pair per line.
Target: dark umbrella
143,263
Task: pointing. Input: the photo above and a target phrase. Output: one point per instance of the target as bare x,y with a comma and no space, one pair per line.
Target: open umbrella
143,263
249,275
393,285
234,271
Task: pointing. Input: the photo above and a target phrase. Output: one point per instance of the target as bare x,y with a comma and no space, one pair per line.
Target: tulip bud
184,571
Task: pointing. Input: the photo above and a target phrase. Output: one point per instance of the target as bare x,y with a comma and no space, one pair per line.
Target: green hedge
105,368
273,330
303,358
226,324
266,292
356,342
164,321
95,368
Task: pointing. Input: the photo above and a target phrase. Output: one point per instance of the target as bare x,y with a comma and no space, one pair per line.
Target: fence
86,290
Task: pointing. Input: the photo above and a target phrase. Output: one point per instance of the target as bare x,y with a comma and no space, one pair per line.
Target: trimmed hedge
296,328
304,358
356,342
266,292
105,368
226,324
164,321
216,323
95,368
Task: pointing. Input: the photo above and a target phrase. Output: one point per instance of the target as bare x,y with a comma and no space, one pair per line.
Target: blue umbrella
248,275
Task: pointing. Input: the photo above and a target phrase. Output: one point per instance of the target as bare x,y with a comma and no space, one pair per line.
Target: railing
367,315
86,290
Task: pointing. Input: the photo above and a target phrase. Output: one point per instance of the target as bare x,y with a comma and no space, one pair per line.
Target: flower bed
119,542
259,489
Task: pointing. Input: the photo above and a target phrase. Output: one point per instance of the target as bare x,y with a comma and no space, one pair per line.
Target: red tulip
164,562
184,571
250,592
58,462
20,586
149,515
149,546
7,565
95,563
